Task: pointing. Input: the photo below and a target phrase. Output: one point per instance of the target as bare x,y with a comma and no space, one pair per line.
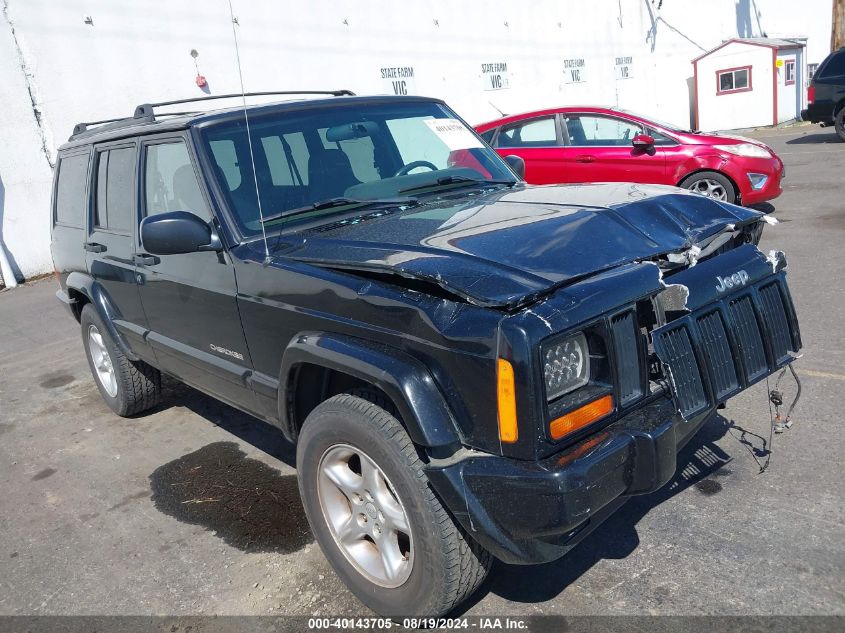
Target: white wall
139,51
25,173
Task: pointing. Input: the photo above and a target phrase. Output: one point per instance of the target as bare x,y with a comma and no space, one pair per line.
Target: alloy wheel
710,188
365,516
103,367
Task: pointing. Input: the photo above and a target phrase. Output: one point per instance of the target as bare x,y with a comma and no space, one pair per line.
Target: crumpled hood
504,247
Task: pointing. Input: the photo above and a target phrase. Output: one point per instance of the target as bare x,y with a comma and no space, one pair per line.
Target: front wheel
711,184
378,522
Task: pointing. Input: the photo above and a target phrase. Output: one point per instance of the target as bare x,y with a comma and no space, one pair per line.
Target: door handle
142,259
585,158
93,247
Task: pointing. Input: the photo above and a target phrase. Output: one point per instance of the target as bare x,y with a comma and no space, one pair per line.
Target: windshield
357,152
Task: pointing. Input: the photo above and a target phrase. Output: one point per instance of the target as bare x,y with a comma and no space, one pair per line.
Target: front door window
586,130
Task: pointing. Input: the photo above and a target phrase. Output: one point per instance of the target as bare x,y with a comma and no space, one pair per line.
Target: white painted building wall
631,53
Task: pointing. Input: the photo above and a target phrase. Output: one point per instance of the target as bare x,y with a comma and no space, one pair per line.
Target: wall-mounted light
201,81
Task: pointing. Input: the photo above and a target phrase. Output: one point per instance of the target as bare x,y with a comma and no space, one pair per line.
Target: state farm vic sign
574,70
624,67
399,80
495,76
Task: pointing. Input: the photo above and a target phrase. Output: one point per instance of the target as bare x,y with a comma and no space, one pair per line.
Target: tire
441,566
839,123
711,184
136,386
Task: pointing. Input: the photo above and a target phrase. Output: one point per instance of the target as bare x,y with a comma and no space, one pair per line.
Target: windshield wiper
454,180
331,203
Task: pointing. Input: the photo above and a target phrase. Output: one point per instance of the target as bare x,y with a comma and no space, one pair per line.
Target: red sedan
581,144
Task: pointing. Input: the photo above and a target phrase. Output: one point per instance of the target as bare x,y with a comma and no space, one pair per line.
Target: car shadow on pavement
813,139
700,464
251,430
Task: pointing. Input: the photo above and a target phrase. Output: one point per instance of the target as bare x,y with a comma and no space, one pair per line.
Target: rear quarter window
488,135
71,190
834,66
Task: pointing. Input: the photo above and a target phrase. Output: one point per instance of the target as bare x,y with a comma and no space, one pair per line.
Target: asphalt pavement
193,508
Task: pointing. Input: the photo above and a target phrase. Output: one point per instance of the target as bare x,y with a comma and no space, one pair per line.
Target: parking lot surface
194,509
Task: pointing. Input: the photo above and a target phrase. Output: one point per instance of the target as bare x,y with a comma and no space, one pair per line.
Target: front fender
97,296
710,162
404,379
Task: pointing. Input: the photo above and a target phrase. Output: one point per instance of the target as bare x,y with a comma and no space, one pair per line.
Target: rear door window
533,133
71,189
115,189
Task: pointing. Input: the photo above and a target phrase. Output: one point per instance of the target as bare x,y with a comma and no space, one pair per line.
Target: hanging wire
248,133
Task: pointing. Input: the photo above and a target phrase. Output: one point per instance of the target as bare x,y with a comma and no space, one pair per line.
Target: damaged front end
735,326
667,358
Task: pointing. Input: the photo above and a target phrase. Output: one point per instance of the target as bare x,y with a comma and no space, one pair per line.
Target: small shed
749,82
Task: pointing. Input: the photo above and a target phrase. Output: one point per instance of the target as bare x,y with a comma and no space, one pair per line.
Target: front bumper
535,512
746,171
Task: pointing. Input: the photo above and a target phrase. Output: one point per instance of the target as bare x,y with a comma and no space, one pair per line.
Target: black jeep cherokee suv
470,366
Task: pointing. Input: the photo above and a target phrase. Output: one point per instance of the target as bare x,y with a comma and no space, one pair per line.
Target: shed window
789,72
733,80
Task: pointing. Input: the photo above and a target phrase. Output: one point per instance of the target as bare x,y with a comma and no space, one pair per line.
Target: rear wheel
711,184
128,387
374,515
839,123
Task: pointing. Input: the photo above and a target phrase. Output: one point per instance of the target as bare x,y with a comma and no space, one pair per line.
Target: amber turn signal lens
581,417
506,394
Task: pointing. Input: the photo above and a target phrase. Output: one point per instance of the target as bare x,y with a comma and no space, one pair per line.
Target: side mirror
177,232
517,165
642,141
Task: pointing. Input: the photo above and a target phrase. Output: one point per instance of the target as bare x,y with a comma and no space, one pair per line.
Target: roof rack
146,111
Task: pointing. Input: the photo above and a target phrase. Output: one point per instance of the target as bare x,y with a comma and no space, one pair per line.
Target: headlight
749,150
566,366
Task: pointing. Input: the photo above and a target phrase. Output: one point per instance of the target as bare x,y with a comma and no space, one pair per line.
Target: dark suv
826,94
469,366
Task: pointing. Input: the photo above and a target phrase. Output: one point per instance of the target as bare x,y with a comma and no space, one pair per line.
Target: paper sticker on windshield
453,133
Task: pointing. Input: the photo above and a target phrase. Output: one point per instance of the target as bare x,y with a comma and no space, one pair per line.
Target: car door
109,245
599,149
189,299
539,143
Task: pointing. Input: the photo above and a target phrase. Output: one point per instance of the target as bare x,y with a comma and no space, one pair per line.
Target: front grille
627,354
774,317
748,338
684,374
715,352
